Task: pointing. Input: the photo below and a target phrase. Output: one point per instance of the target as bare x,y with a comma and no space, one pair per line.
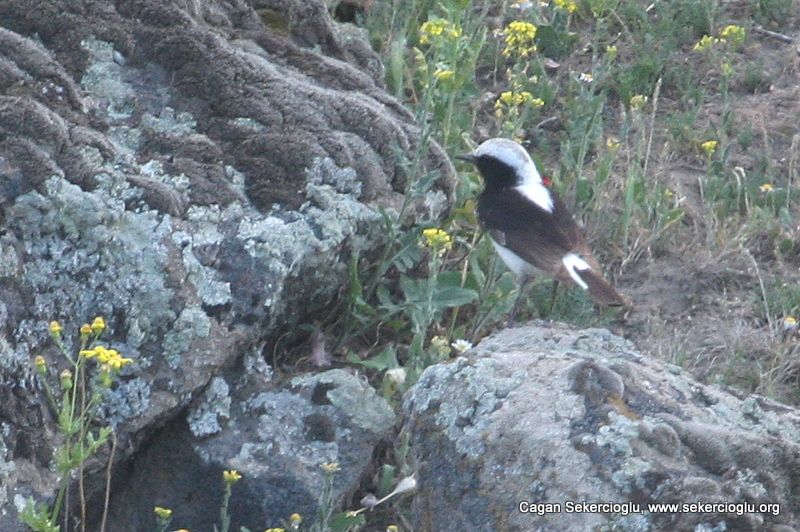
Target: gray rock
197,173
277,437
546,414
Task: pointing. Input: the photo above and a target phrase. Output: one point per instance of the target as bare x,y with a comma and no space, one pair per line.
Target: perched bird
530,226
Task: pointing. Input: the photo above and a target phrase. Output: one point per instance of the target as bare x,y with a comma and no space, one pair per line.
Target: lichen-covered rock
197,173
278,437
547,415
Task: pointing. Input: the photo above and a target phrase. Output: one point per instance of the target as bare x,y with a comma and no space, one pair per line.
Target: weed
82,393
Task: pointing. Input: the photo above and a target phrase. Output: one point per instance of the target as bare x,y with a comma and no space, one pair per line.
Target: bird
530,227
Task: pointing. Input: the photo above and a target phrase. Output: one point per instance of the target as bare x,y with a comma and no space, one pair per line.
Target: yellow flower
437,30
162,513
611,51
231,477
733,34
86,330
519,37
392,528
330,467
638,101
570,6
789,323
108,358
517,99
766,188
709,146
98,325
437,239
295,519
705,43
727,69
55,328
612,143
444,75
275,530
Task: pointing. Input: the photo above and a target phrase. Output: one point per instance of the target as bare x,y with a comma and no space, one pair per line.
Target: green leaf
453,296
386,359
37,517
343,522
388,478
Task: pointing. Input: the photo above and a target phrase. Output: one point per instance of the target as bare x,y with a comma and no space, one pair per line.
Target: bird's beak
467,157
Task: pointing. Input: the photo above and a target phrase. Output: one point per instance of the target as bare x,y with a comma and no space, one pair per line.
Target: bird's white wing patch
572,262
537,193
515,263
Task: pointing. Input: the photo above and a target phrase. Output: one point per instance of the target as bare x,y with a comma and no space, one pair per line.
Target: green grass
614,93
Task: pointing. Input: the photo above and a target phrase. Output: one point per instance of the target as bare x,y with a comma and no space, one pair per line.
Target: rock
546,414
197,173
277,437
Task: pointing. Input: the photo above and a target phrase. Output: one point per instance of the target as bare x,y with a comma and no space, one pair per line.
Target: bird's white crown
513,155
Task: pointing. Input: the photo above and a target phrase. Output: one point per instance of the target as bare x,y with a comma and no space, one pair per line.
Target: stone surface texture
199,174
548,414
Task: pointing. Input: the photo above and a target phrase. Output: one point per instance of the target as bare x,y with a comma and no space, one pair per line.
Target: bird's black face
496,174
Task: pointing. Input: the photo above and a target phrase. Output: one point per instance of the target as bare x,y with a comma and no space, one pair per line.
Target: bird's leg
522,280
553,297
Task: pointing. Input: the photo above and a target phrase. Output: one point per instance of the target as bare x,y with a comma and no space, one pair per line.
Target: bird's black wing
540,237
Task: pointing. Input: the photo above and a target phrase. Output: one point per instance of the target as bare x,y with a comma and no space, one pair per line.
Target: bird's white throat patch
537,193
573,263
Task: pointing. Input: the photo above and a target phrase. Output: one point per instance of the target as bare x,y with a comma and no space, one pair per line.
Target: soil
700,298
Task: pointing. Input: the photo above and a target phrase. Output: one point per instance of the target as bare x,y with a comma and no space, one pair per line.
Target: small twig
773,34
108,480
761,285
544,122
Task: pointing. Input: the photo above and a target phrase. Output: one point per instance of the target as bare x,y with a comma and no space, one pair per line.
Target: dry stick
656,93
108,480
792,160
761,285
773,34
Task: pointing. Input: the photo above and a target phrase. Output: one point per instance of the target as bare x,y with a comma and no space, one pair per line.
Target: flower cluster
519,38
437,239
438,30
509,99
108,358
570,6
709,146
731,34
705,43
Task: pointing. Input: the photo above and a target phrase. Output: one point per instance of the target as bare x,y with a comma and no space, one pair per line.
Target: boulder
537,422
199,174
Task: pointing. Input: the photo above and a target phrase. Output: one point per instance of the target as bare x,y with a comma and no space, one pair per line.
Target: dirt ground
700,301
